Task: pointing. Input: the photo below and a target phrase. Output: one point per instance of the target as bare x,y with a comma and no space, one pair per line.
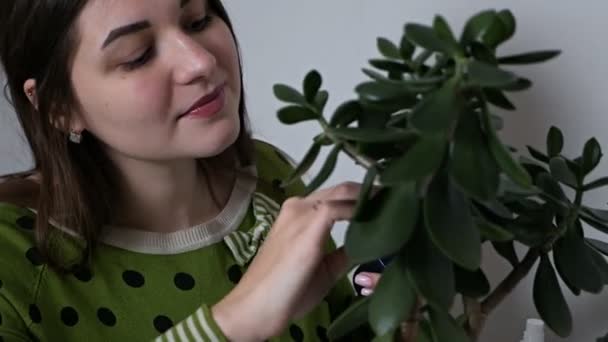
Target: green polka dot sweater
143,286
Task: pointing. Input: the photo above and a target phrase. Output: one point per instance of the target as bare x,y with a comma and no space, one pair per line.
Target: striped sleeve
200,326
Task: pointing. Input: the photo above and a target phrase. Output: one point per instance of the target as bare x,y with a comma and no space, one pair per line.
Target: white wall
281,40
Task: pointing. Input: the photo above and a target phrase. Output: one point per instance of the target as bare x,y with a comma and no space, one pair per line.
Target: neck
167,197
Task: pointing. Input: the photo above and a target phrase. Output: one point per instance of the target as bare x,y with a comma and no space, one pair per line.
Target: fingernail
363,280
366,292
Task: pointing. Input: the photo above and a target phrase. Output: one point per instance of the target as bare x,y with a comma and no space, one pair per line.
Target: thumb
336,265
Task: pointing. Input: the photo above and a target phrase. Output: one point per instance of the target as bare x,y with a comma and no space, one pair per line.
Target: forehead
98,17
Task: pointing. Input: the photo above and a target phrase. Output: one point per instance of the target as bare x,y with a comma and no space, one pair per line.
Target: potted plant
424,128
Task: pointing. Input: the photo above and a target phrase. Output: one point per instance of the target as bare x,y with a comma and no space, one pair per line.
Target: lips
207,105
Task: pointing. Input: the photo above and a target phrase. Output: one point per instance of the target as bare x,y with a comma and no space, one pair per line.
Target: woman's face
141,65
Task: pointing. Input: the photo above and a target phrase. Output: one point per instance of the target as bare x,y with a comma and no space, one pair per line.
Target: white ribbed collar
184,240
189,239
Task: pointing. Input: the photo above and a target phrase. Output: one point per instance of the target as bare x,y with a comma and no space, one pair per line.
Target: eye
199,25
139,61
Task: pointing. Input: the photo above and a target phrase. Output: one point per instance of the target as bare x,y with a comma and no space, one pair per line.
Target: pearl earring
75,137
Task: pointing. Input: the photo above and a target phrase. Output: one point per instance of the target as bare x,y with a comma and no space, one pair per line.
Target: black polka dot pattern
26,223
133,279
35,314
69,316
106,317
296,333
276,185
83,274
322,334
162,323
184,281
235,274
33,255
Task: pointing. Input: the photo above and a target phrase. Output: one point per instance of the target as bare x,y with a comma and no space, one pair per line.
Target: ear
29,87
76,123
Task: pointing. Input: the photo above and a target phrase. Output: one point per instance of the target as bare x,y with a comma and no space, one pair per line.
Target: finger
333,211
336,263
343,191
367,280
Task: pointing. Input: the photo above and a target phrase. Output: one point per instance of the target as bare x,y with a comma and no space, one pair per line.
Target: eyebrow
132,28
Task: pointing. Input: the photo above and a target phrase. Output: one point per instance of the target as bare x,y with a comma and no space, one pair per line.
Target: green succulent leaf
592,154
477,26
294,114
576,265
529,58
520,85
373,135
406,48
312,84
346,114
421,160
426,38
471,284
504,159
507,251
549,299
379,233
391,66
326,170
288,94
381,91
430,271
309,158
425,334
599,245
388,49
493,232
509,23
394,287
444,32
446,328
555,141
598,183
437,112
486,75
498,99
561,172
472,165
321,100
450,224
355,316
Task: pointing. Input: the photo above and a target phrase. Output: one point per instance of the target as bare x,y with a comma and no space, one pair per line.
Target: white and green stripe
244,245
198,327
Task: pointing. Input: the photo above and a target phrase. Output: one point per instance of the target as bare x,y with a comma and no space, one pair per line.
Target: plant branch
409,328
510,282
348,148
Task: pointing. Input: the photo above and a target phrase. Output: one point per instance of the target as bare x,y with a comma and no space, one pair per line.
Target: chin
220,139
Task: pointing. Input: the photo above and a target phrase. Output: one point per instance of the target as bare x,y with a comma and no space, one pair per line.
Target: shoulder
21,265
274,166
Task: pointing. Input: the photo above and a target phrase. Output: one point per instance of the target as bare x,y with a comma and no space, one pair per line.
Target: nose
192,61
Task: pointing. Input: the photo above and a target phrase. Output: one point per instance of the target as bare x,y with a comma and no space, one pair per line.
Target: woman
150,200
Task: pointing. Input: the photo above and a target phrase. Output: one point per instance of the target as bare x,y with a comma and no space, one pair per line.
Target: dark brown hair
78,182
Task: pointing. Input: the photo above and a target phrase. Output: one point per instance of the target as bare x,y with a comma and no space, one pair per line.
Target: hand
291,272
368,281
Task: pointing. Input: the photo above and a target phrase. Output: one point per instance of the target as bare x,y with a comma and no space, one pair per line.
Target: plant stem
475,318
409,328
348,148
510,282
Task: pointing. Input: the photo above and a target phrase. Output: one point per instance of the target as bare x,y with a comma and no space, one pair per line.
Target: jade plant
440,183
